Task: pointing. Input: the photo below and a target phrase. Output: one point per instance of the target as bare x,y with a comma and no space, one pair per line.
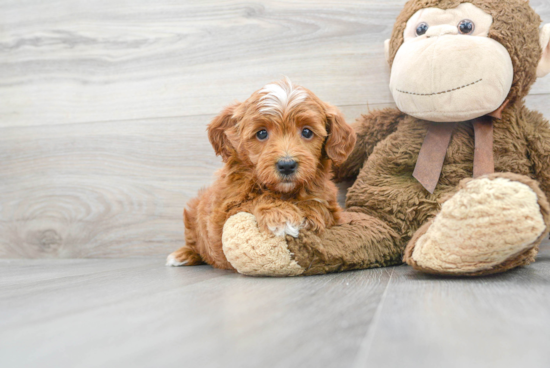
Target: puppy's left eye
262,135
307,133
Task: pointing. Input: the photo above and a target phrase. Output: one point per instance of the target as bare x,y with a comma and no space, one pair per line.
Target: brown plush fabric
396,205
516,27
388,143
359,242
370,130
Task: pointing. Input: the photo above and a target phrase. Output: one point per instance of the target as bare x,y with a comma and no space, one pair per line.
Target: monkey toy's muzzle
451,78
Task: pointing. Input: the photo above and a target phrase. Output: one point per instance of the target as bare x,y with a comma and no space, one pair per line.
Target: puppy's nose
287,167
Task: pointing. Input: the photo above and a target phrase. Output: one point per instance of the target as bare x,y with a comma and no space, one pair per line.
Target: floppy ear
341,137
544,64
221,132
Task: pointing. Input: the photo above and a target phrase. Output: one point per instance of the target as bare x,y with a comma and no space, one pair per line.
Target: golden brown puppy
277,147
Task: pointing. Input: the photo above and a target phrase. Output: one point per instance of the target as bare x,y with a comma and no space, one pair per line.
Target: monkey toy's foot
256,253
492,224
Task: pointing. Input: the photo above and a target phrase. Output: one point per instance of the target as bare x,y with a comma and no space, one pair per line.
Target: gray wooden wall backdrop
104,103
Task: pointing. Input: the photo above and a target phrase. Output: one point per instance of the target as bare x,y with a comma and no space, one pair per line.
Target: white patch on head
280,97
286,229
171,261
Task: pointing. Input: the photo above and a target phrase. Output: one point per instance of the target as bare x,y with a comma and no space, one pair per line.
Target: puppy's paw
286,229
280,221
184,256
319,215
315,224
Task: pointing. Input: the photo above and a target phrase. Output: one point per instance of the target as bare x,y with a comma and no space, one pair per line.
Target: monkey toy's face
448,69
457,60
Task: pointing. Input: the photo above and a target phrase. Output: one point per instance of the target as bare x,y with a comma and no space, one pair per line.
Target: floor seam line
366,344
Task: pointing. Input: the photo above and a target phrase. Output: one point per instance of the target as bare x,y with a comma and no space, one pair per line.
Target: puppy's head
285,134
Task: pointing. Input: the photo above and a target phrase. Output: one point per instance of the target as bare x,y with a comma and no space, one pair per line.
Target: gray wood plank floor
103,112
139,313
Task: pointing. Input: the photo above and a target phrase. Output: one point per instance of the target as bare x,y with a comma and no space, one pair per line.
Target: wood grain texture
139,313
70,61
100,189
499,321
104,106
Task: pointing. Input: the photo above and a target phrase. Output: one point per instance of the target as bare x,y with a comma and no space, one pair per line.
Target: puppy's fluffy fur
250,180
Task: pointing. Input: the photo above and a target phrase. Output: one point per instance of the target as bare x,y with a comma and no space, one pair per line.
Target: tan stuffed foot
255,253
490,225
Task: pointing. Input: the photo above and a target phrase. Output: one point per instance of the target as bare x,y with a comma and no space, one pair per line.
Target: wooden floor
138,313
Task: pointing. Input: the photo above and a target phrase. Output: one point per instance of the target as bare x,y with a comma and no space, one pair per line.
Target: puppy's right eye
262,135
307,133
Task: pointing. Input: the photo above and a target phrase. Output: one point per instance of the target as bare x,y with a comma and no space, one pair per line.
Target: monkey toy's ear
544,64
387,50
221,132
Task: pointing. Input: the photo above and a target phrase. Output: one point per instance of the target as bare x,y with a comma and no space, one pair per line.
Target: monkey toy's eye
422,28
307,133
262,135
466,27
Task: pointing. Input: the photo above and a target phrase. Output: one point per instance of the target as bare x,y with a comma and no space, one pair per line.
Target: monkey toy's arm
538,137
370,130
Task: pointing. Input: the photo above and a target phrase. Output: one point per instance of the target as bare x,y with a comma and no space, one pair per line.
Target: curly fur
249,180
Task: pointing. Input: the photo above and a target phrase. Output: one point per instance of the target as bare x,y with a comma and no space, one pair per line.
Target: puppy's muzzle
287,167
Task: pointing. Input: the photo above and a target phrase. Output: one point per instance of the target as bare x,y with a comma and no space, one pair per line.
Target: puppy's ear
341,137
221,132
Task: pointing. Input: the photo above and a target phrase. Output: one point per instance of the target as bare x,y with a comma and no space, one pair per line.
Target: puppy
278,147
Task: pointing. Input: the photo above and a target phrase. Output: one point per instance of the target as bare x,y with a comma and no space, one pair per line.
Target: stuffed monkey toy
456,181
